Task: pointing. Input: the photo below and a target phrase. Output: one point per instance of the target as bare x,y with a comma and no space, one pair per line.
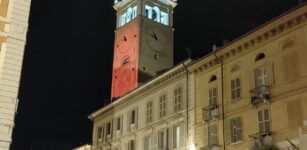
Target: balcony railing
260,140
210,113
260,94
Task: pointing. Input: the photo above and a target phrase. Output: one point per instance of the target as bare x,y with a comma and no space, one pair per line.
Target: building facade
155,116
248,94
251,93
14,16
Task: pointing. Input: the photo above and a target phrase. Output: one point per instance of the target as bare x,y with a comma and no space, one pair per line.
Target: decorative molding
253,39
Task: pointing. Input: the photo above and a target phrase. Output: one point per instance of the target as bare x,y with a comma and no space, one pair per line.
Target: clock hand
155,36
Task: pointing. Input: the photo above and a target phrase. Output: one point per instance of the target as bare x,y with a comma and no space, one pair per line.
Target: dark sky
68,59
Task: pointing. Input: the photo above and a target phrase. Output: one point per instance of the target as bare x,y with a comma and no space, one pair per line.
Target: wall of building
284,58
14,16
144,129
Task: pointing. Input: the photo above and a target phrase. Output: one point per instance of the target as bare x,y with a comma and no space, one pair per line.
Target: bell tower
143,44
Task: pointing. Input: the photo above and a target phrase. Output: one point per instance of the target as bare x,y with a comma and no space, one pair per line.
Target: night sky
68,59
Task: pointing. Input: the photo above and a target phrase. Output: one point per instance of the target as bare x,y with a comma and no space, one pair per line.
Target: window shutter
239,129
270,69
227,131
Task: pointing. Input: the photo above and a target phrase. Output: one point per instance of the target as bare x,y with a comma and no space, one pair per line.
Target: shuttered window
178,99
212,135
236,130
162,106
264,121
235,89
149,117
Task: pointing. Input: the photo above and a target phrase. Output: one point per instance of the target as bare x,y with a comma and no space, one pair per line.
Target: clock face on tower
125,62
155,39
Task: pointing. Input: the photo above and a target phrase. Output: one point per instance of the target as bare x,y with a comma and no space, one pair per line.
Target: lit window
178,99
178,136
128,15
154,13
162,106
164,18
123,19
235,88
261,76
149,112
236,130
148,11
212,135
264,121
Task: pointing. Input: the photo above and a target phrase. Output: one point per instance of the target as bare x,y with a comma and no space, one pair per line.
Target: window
178,99
128,15
130,145
213,96
162,106
178,136
260,56
99,132
155,14
164,18
261,76
133,118
264,121
212,135
163,140
212,78
149,112
119,121
108,130
148,142
236,130
235,89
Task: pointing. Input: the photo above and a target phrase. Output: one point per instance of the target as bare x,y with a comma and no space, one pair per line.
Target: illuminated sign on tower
143,42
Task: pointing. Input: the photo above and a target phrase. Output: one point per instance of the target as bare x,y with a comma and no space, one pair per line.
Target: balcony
211,113
260,94
261,140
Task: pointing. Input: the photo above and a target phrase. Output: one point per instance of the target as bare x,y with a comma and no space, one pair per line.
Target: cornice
138,92
271,30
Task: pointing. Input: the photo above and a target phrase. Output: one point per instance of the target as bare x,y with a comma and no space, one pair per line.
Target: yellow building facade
14,16
252,92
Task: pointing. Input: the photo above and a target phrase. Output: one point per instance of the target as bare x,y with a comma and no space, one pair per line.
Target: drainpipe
187,99
222,84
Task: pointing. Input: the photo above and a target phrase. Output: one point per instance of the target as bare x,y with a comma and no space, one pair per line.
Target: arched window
212,78
156,14
260,56
129,14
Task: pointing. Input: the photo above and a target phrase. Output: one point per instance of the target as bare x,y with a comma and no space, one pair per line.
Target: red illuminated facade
125,62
